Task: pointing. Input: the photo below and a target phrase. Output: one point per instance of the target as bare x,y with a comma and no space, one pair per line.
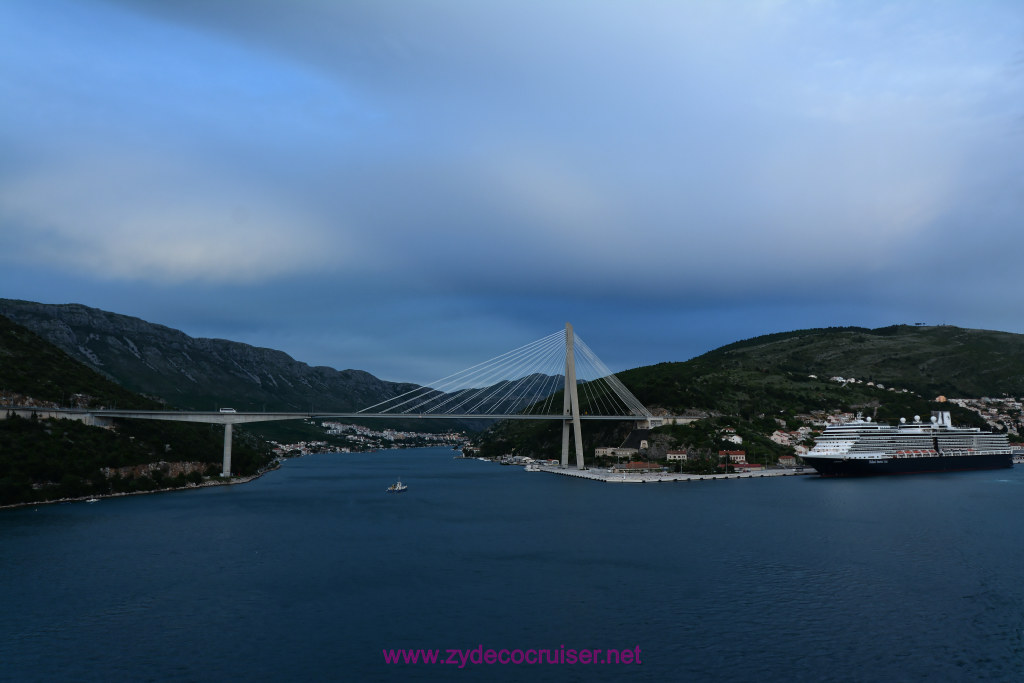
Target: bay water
312,572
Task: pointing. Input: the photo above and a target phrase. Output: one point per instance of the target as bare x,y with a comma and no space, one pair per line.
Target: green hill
773,372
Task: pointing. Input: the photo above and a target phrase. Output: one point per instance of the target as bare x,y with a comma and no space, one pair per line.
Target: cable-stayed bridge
524,383
557,377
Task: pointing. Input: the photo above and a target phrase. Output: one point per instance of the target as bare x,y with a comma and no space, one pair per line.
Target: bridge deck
212,417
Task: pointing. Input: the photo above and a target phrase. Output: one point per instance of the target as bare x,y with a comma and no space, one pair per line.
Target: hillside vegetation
773,372
51,459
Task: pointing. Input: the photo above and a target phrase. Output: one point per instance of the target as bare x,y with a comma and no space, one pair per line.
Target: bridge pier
571,404
226,471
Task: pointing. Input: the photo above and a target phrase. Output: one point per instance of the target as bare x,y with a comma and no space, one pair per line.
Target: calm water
311,571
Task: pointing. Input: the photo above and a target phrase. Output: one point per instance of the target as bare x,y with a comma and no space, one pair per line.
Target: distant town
639,454
352,438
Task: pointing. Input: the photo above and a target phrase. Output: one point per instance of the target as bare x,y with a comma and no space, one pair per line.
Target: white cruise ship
862,448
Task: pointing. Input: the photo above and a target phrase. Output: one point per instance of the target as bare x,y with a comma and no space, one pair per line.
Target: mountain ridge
196,372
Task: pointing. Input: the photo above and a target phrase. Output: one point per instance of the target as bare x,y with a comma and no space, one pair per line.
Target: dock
599,474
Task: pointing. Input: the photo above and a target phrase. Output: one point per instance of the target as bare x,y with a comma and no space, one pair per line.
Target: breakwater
609,477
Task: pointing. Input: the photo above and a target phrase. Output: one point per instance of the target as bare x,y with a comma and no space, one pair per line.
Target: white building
729,434
611,452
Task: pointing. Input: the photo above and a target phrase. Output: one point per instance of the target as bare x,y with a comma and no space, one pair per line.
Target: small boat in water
397,487
93,500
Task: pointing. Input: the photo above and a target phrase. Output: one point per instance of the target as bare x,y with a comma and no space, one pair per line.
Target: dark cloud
403,187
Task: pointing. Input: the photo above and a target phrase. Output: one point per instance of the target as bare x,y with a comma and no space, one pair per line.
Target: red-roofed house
735,457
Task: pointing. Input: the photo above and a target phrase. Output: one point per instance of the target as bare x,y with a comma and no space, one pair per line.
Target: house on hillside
729,434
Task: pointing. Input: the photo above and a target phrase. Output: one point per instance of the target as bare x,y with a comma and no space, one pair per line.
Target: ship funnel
941,418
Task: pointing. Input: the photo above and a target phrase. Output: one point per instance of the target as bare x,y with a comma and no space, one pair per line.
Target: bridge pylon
571,404
226,466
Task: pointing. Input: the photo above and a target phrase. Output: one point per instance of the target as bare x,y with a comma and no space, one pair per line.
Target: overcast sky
411,187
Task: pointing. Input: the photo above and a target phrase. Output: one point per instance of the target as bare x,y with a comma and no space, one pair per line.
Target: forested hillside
46,459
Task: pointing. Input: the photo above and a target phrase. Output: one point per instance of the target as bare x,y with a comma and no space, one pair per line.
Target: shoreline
608,477
227,481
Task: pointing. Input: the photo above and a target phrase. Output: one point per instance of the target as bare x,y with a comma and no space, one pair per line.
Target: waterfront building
612,452
735,457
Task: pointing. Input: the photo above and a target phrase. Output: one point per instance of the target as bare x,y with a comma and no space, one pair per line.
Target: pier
608,477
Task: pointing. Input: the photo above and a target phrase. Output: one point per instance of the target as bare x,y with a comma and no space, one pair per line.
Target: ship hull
860,467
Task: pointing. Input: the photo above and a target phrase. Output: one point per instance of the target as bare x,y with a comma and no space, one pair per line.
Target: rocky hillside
195,373
35,372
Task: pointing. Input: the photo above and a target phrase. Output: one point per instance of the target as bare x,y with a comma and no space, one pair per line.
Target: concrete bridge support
571,404
226,471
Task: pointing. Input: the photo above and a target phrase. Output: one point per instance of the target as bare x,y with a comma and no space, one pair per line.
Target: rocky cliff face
196,373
